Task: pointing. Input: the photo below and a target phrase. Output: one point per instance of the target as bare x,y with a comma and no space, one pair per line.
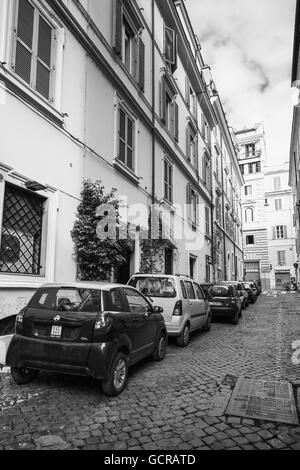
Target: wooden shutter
196,153
43,71
187,91
176,130
118,23
285,231
163,93
197,209
174,66
141,65
274,233
188,201
24,43
188,147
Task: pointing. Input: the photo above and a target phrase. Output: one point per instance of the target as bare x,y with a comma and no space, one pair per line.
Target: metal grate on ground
267,400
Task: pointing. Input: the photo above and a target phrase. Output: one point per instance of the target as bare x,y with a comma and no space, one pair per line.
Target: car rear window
220,291
67,299
154,286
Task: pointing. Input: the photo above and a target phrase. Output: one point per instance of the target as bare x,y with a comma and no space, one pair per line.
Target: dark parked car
225,301
243,294
206,289
257,285
95,330
252,292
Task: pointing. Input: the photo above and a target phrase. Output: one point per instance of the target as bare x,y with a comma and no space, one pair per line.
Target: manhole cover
269,400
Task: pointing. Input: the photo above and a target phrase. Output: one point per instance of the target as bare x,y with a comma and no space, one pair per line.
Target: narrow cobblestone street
165,405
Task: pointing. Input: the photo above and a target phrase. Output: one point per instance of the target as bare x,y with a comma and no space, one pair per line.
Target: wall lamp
35,186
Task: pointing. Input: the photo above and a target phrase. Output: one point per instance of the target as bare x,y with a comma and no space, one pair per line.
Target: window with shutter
127,40
170,44
168,181
126,139
34,48
168,106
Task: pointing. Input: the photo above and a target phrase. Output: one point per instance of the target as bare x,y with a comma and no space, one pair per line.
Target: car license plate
56,331
216,303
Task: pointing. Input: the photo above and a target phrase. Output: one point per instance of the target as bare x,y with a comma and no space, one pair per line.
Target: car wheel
235,319
207,325
22,376
184,338
160,350
117,379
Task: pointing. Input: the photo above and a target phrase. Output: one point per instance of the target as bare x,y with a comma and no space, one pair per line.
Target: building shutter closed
163,97
23,58
118,27
43,71
176,130
285,231
188,201
141,65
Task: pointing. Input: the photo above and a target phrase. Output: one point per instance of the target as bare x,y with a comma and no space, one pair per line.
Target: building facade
281,232
252,161
113,91
294,168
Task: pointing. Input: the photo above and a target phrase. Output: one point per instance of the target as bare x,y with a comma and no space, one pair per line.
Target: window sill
125,171
17,281
23,91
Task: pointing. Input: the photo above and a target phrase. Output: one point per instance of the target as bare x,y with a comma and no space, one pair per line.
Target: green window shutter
163,94
285,231
174,66
176,113
188,201
274,233
188,147
187,91
141,65
196,153
43,71
118,23
197,209
24,43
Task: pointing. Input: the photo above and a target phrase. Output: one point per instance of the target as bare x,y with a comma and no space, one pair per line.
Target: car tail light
178,309
102,323
19,321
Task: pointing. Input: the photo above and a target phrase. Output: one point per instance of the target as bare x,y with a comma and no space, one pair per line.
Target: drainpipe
153,102
223,210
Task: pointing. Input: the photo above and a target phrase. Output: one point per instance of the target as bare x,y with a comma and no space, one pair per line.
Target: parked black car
257,285
225,301
252,292
206,289
243,294
96,330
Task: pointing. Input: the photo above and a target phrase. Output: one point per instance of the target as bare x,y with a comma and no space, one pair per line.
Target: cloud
249,48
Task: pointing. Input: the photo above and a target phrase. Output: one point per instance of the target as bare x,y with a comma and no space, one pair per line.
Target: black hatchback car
225,301
95,330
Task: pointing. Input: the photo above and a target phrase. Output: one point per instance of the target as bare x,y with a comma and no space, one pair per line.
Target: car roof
167,276
83,285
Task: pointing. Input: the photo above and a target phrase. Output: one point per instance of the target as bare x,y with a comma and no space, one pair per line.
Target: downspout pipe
153,102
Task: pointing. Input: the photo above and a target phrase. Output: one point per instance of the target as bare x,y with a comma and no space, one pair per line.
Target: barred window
33,49
21,234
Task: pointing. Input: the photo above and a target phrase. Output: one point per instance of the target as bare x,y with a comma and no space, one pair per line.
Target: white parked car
185,307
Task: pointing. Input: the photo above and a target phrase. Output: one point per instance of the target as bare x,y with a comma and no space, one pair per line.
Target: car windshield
248,286
154,286
67,299
220,291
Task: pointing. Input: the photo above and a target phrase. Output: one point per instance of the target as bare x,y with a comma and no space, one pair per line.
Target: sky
249,46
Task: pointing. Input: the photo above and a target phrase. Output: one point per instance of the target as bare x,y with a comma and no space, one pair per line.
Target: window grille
21,235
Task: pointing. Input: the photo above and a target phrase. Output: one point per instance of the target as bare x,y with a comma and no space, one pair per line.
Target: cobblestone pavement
165,405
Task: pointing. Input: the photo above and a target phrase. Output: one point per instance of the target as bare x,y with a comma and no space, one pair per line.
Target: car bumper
222,311
175,326
32,353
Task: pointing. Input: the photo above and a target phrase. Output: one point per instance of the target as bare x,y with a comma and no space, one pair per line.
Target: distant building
294,176
281,231
252,160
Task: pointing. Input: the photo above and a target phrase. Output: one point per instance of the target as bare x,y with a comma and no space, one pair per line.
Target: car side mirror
158,310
